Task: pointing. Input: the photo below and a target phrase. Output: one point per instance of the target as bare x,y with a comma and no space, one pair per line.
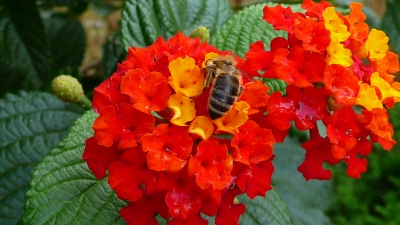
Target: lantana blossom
166,156
351,67
161,148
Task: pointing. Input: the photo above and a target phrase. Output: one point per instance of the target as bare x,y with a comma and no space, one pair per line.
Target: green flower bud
67,88
202,32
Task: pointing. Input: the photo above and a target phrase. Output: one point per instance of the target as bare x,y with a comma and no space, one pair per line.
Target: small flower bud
202,32
67,88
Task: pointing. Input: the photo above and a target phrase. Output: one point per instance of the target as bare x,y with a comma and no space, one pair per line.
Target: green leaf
24,48
64,191
391,24
30,125
245,28
68,40
275,85
269,210
143,21
307,201
113,53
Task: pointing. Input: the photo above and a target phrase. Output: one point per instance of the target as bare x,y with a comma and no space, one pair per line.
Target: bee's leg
210,74
206,82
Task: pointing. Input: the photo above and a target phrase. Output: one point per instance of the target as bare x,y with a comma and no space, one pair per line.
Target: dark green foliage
30,125
67,42
391,24
113,53
24,47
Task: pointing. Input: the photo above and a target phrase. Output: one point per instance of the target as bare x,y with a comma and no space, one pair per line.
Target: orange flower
183,109
356,18
233,119
255,94
202,126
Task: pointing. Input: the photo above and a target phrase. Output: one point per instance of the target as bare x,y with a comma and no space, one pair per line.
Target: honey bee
227,84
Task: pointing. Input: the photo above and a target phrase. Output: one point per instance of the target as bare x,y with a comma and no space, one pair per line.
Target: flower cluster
166,156
163,153
338,72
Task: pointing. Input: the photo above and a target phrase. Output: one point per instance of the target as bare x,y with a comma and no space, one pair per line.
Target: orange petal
202,126
186,77
183,109
255,94
233,119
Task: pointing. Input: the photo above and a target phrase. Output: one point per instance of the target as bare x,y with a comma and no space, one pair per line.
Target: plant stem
85,101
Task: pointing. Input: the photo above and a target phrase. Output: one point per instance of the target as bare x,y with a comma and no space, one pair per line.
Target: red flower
99,157
304,106
357,166
194,219
280,18
342,130
142,211
147,91
229,212
121,124
211,169
314,36
252,144
130,177
256,179
108,93
318,151
315,10
343,84
167,147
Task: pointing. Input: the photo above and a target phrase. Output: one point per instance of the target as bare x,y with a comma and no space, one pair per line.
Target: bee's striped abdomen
223,95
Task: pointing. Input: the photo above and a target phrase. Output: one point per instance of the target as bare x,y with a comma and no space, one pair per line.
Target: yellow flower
338,54
384,87
183,109
376,45
335,25
367,97
186,77
210,55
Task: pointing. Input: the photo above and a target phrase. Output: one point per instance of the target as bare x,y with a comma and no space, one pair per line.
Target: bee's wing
245,75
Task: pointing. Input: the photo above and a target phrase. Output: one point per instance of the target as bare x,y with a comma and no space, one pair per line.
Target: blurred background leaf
24,47
307,201
67,43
